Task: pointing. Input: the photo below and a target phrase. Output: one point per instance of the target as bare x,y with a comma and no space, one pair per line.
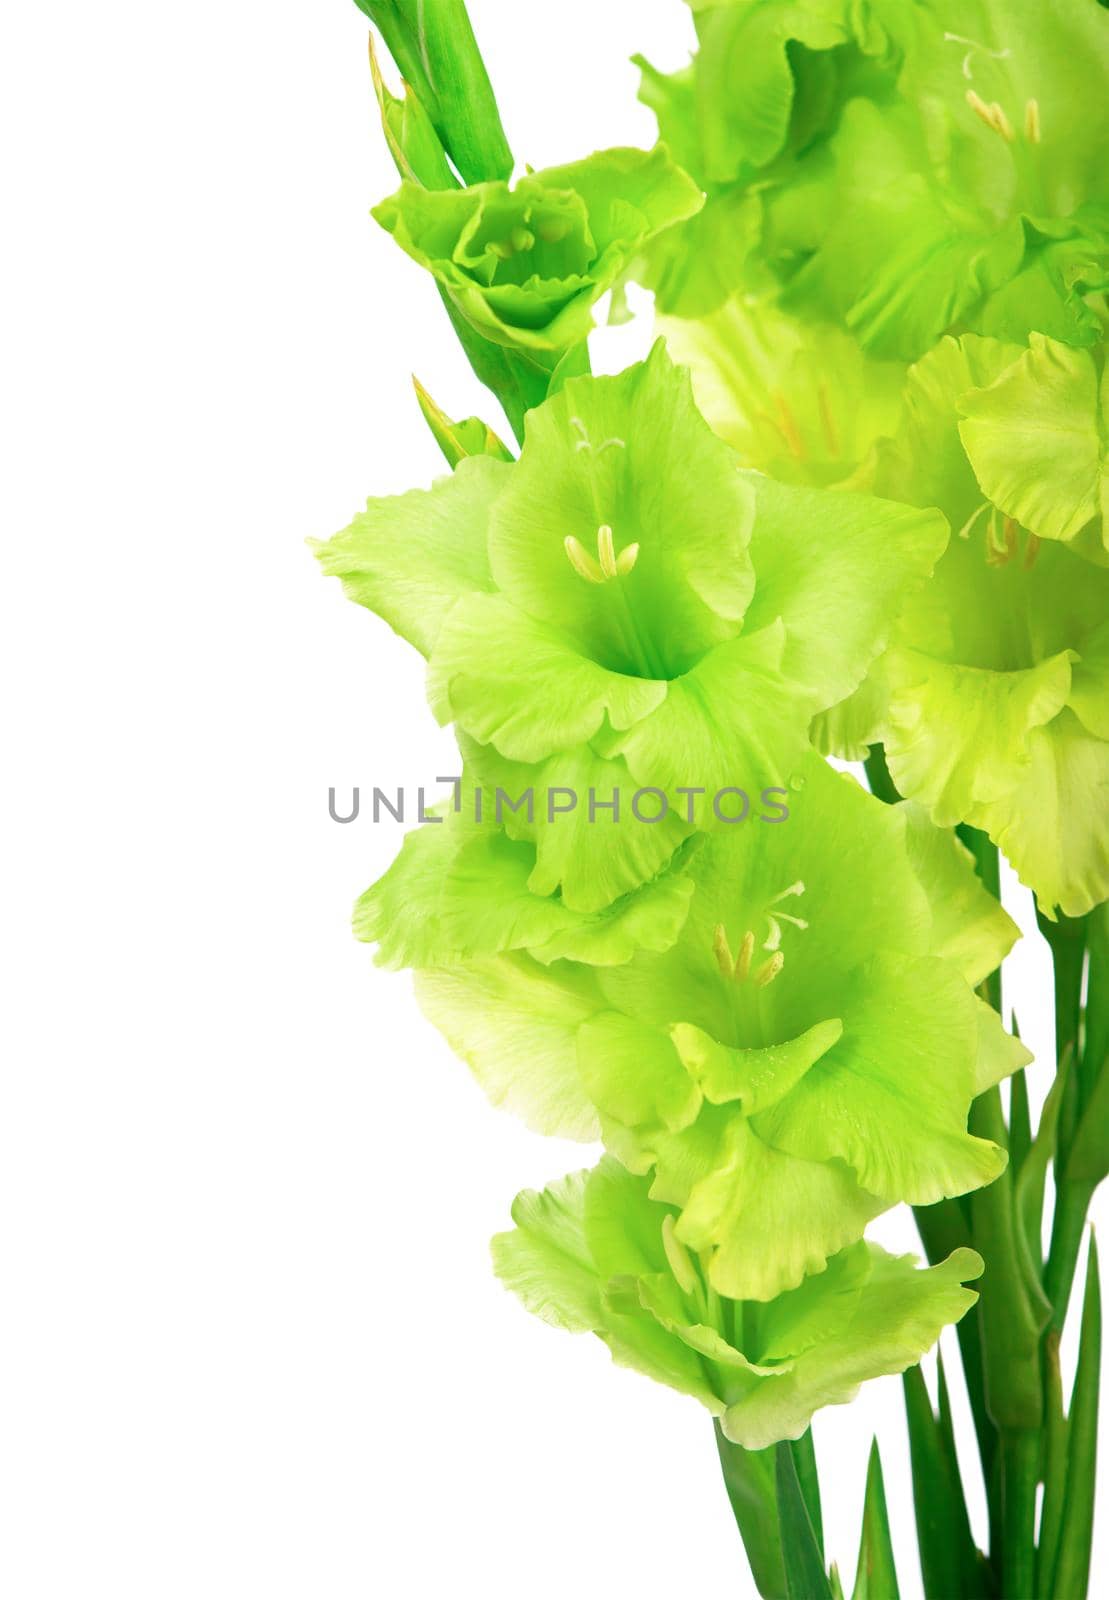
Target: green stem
1072,1201
752,1494
1054,1467
1020,1458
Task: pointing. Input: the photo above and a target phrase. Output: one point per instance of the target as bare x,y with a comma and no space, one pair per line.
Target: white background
251,1342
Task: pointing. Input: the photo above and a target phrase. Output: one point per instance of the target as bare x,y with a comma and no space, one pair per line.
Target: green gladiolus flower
623,609
993,702
595,1254
796,1052
525,264
899,170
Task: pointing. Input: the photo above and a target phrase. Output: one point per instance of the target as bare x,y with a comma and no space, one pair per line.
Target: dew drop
797,782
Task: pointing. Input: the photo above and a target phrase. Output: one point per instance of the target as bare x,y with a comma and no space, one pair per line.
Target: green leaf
876,1573
937,1496
1072,1570
1014,1310
806,1578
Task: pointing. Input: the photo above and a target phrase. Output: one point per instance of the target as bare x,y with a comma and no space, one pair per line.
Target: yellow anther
678,1256
1032,130
581,561
743,960
1032,550
770,969
522,238
607,563
605,550
980,108
1001,122
992,115
501,248
1012,539
722,951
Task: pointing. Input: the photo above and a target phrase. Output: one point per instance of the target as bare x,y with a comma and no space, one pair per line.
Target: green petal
836,569
634,1075
514,1023
1052,827
522,685
549,1261
589,854
765,1218
960,737
1034,442
460,889
754,1078
898,1317
801,403
411,556
969,927
734,720
891,1098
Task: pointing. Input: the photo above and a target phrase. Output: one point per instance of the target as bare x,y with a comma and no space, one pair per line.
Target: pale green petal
410,557
960,737
837,569
801,403
735,720
753,1078
1034,442
999,1053
1052,827
764,1218
634,1075
898,1316
514,1023
969,927
522,686
891,1098
585,851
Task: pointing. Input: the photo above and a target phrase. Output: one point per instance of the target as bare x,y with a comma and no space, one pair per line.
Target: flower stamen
770,969
607,564
581,561
1032,130
722,951
605,550
743,960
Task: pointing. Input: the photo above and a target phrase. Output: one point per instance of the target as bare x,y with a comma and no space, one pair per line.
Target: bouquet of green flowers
852,505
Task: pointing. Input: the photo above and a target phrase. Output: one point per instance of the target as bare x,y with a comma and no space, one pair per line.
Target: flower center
738,969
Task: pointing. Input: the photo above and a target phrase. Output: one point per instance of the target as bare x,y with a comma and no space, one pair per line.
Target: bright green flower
993,703
799,1054
901,170
595,1254
524,265
623,609
800,402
